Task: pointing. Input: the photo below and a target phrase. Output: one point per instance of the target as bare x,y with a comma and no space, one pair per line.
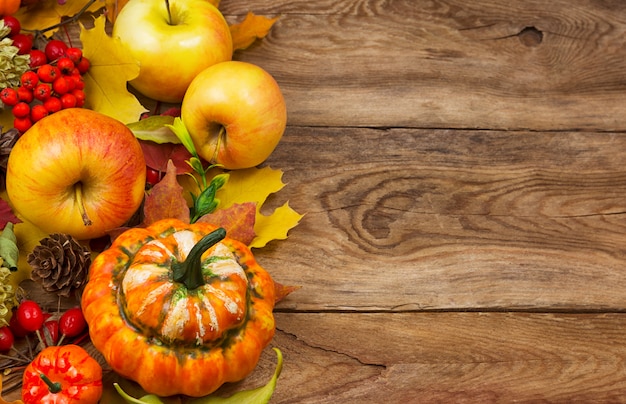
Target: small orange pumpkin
64,374
179,308
9,7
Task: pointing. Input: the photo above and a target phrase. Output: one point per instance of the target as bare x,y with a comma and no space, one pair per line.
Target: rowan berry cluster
53,82
50,328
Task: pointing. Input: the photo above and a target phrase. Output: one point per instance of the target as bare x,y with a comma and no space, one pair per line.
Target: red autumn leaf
166,200
238,220
158,155
6,214
282,291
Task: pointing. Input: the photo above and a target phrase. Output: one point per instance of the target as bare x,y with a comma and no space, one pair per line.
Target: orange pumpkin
64,374
9,7
177,310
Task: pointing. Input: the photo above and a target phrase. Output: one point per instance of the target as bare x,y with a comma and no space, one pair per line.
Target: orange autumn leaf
237,220
113,8
3,401
250,29
166,200
282,291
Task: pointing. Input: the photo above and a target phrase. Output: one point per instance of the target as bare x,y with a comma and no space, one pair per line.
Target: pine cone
60,264
7,141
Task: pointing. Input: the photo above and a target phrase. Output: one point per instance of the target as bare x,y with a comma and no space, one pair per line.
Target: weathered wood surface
462,168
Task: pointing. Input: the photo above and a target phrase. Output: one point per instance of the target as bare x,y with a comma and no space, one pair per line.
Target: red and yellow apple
77,172
172,42
235,113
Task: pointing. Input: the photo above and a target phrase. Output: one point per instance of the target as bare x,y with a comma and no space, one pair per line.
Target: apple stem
78,191
169,12
220,137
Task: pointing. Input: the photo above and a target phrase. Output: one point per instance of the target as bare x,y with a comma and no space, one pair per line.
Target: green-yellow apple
77,172
235,113
173,41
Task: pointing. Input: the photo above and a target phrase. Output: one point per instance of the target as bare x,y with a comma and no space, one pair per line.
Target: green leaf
148,399
8,247
180,130
155,129
260,395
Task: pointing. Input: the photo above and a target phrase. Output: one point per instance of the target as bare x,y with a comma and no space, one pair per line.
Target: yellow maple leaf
255,185
250,29
252,185
111,68
47,13
274,226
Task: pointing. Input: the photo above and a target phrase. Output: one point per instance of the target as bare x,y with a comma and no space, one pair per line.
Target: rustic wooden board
451,357
419,219
447,64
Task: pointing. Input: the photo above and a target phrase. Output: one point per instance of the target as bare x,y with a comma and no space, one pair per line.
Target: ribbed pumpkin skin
169,339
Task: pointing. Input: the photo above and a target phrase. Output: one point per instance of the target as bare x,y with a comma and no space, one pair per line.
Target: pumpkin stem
189,271
54,387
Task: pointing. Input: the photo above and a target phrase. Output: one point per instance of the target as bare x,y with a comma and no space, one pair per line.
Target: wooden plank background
461,167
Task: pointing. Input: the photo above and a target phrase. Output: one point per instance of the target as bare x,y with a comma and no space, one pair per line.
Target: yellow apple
76,172
173,42
235,113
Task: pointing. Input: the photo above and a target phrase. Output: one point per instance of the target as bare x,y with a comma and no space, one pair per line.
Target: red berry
55,49
79,84
66,65
37,58
29,79
60,85
22,124
68,100
13,23
75,54
24,94
83,65
48,73
21,110
152,176
42,92
6,339
80,97
23,42
8,96
17,330
53,104
29,315
38,112
72,323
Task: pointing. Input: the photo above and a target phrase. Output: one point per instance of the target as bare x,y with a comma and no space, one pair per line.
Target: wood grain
453,220
447,64
451,357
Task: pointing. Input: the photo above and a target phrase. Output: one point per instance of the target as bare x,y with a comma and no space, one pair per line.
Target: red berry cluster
51,329
54,81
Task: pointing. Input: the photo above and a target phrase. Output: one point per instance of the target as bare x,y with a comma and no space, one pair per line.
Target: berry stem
78,192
